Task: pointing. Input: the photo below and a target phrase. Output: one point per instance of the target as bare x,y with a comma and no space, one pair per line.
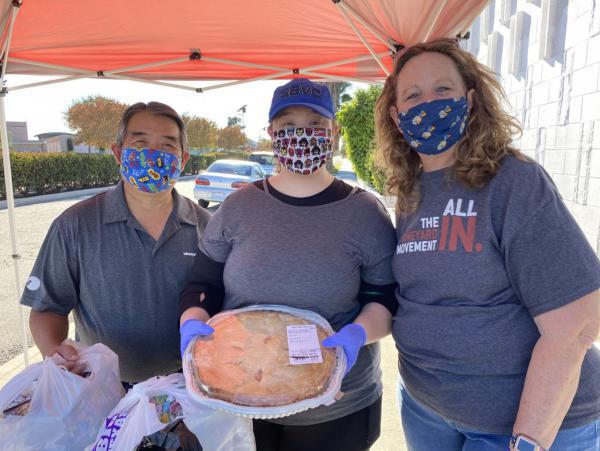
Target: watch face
522,444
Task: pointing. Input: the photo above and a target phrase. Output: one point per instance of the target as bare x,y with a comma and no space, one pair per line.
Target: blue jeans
425,430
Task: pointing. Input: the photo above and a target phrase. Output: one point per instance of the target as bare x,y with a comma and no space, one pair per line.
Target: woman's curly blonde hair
486,141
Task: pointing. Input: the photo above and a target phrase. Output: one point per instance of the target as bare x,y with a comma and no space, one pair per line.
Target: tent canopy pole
362,38
10,199
440,7
388,42
117,74
48,82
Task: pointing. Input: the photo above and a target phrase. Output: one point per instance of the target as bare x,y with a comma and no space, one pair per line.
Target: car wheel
203,203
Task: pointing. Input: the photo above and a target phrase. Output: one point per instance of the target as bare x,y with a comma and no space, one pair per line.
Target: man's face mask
302,150
434,127
150,170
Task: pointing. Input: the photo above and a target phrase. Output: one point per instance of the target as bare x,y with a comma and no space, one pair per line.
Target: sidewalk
392,437
11,368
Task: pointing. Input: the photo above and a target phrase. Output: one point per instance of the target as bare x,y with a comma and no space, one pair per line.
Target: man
120,259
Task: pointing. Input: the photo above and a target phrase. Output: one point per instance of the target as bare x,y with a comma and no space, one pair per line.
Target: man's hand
350,337
193,328
67,356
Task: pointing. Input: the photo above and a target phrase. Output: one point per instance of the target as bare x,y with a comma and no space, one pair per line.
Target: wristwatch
523,443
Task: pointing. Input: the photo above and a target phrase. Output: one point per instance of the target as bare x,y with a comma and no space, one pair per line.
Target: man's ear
116,151
185,156
470,95
394,115
270,130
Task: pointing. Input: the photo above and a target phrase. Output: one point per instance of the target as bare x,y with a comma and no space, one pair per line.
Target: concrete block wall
553,88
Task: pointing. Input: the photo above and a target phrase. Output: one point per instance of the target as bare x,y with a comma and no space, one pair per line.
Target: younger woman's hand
351,338
190,329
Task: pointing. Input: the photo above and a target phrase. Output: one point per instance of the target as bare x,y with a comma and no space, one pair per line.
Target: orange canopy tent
237,41
226,39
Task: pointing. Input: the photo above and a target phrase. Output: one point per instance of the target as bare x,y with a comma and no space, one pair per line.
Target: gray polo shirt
121,284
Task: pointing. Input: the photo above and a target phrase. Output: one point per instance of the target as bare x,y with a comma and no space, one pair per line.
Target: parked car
223,177
265,159
349,177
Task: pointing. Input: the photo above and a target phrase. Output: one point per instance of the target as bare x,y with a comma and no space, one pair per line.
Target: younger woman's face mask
302,150
150,170
435,126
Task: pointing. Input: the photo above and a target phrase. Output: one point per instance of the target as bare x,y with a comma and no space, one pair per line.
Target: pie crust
246,361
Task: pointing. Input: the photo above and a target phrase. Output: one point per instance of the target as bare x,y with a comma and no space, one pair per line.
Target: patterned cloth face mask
302,150
434,127
150,170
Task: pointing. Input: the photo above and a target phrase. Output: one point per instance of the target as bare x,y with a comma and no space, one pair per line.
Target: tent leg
11,222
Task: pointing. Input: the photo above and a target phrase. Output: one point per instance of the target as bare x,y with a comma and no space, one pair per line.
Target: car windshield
262,159
227,168
347,175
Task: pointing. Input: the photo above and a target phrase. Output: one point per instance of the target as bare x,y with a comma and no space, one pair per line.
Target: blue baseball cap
302,92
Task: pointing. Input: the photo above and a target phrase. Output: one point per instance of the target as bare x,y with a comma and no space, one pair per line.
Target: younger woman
304,239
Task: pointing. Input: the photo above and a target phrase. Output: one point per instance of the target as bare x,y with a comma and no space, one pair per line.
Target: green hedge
357,122
43,173
40,173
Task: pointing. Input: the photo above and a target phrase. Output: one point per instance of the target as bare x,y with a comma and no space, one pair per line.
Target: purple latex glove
350,338
190,329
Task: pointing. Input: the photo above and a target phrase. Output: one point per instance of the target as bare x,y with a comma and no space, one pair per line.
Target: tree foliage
232,121
95,120
231,137
337,89
264,144
357,122
201,132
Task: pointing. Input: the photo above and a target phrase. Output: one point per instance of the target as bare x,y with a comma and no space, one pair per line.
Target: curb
14,366
24,201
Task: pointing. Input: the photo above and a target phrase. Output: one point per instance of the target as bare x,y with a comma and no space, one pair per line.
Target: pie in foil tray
246,366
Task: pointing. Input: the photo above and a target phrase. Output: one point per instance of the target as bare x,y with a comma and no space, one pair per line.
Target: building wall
66,143
17,131
19,141
28,146
85,148
547,55
55,144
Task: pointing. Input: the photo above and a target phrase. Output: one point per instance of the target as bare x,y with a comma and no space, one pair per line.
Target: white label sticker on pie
303,344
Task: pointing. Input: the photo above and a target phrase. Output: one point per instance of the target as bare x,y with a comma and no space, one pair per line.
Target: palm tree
338,96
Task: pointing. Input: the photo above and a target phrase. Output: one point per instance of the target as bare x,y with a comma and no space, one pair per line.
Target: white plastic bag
135,417
65,409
